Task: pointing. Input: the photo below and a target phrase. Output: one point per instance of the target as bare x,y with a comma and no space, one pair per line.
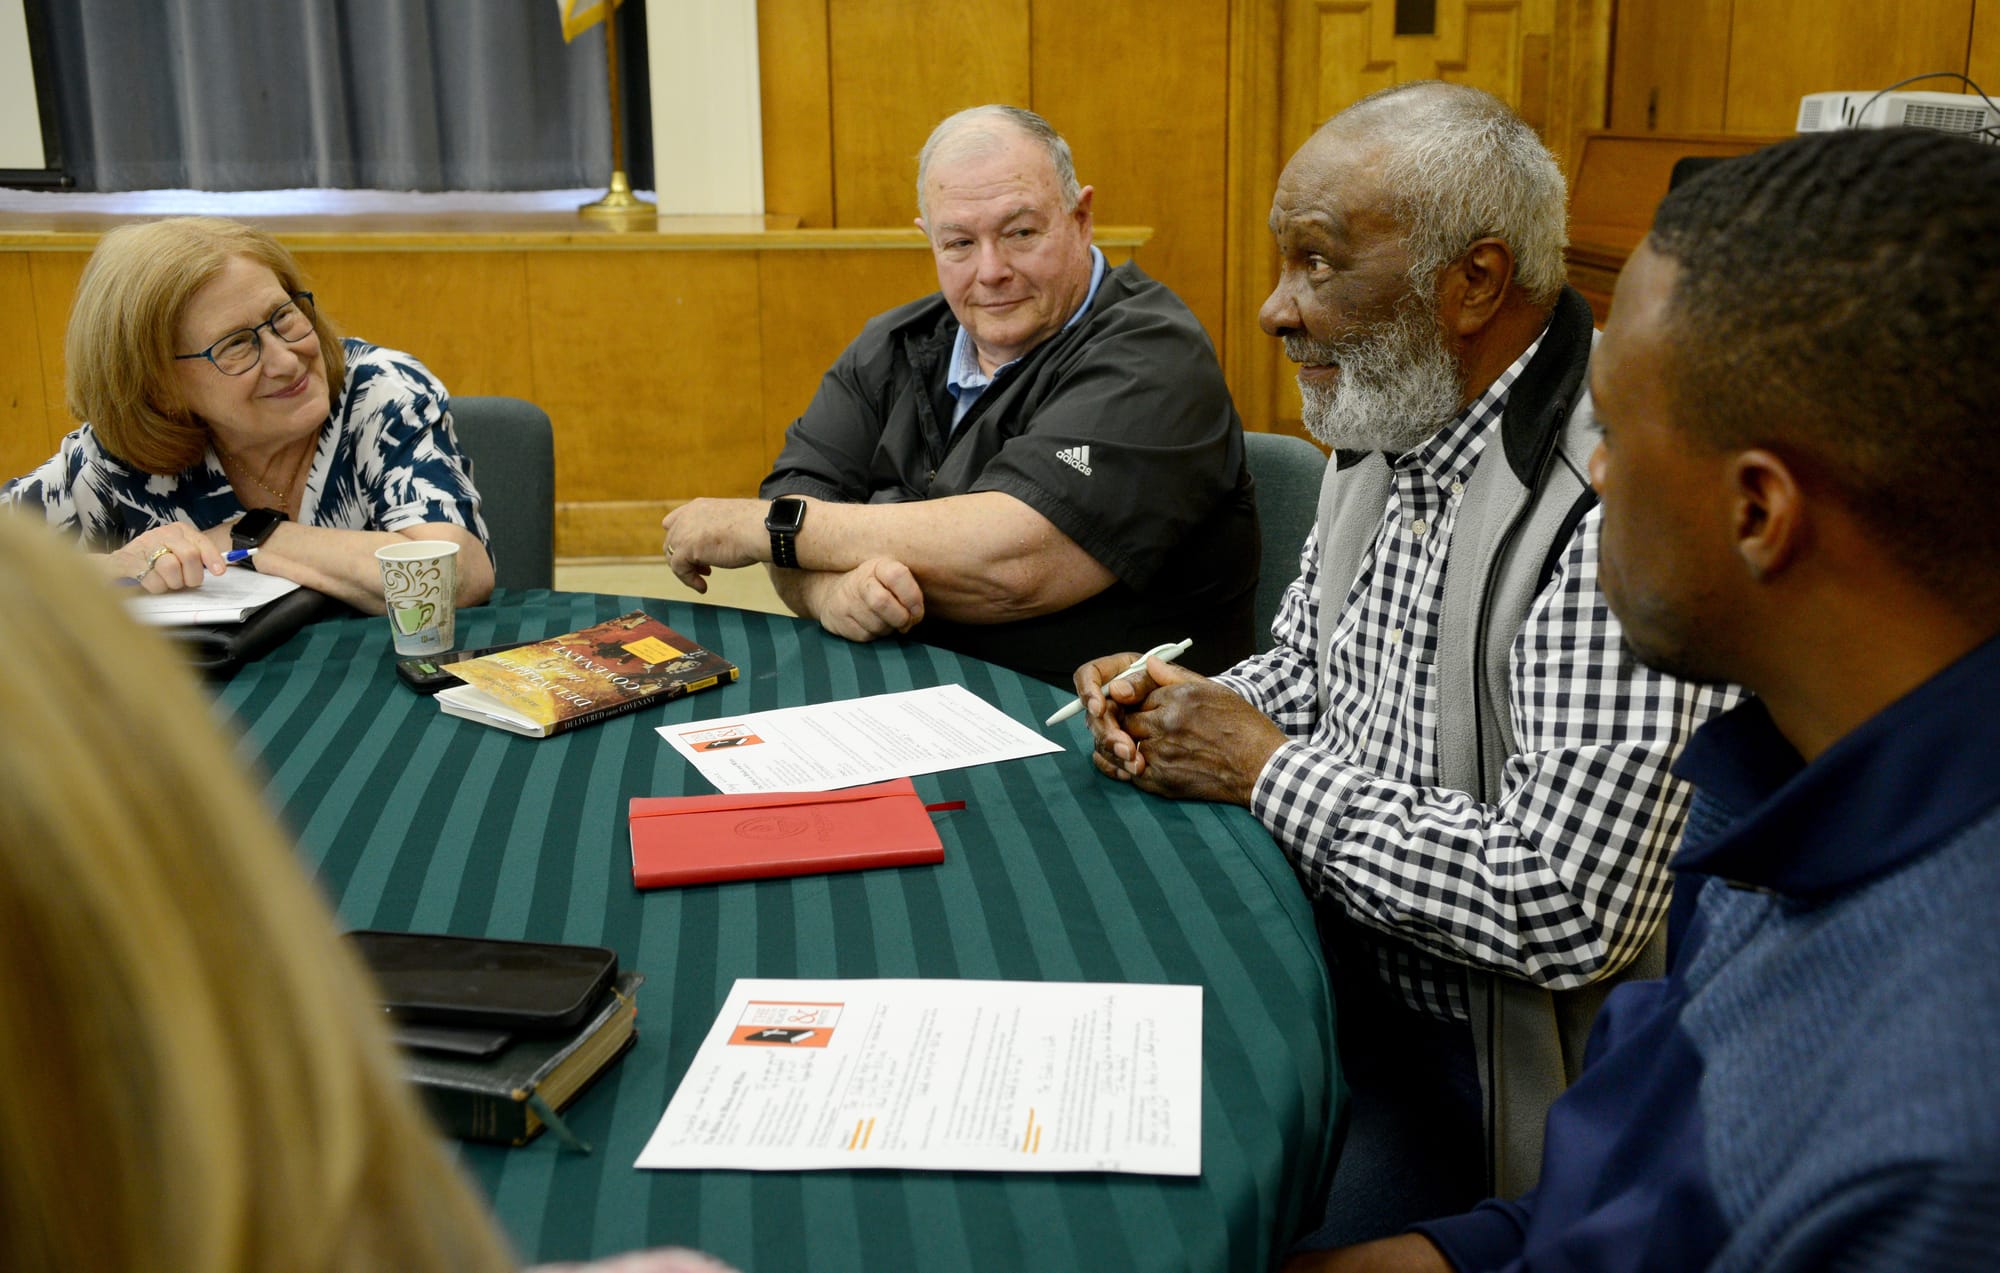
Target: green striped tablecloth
417,820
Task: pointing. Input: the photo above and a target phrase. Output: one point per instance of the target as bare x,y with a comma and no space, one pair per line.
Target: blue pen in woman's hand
1164,653
234,557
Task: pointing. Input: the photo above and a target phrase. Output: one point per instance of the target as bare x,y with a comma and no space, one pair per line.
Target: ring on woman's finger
152,560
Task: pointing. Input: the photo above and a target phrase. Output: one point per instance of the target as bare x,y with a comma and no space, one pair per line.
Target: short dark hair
1838,301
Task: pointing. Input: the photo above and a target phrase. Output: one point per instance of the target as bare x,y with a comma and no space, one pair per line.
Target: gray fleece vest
1517,513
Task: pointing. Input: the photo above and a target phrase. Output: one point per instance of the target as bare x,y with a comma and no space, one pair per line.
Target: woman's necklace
283,497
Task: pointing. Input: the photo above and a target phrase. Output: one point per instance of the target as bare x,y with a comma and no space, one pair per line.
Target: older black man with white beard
1448,740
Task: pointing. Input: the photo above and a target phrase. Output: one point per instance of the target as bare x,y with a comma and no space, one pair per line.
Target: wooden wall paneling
648,365
1780,50
464,315
25,437
1670,66
1478,42
797,107
812,305
1485,43
897,68
54,276
1982,63
1262,68
1579,77
1537,92
1147,130
1355,44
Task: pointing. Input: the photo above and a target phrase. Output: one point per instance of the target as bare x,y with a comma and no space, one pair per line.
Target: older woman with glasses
225,412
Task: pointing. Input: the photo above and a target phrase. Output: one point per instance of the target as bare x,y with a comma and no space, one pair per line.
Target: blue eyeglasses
243,348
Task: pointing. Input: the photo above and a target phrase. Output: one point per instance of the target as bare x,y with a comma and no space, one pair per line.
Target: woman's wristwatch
253,528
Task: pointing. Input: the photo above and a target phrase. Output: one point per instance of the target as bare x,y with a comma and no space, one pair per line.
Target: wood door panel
1670,66
1139,135
897,68
797,106
1780,50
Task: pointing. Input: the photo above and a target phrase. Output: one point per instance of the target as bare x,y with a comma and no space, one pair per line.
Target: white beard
1398,383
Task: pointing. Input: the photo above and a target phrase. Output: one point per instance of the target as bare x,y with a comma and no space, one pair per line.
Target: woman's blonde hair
122,329
193,1075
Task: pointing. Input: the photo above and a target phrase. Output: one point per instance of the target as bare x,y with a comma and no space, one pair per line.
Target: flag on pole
579,16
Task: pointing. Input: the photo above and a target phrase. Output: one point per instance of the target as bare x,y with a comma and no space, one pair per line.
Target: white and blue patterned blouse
387,460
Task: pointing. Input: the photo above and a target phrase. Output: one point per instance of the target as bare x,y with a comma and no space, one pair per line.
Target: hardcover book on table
579,678
499,1098
703,839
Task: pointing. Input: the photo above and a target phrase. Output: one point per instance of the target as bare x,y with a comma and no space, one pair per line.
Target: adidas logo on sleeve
1077,457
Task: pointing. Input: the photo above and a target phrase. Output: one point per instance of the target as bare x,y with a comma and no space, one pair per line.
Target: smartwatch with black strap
254,527
787,514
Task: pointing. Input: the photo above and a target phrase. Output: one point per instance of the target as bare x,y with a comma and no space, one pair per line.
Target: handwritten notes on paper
853,741
948,1075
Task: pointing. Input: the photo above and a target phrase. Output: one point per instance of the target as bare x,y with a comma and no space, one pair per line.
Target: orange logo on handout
769,1024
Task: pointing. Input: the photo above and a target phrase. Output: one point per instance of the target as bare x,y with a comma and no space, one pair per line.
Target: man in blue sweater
1800,456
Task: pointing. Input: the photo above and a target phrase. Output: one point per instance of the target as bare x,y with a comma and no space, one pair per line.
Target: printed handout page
856,740
947,1075
224,598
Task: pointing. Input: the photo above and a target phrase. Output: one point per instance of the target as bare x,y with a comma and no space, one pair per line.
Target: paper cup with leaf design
419,585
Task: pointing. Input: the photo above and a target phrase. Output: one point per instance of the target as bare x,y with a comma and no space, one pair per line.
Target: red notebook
702,839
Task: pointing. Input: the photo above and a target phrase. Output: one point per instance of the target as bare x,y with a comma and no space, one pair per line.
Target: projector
1939,112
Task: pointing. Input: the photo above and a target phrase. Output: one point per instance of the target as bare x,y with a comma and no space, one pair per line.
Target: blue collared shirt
964,378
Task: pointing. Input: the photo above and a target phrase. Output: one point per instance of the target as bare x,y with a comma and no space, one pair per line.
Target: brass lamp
619,205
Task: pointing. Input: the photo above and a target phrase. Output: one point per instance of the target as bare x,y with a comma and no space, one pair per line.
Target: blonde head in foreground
197,1078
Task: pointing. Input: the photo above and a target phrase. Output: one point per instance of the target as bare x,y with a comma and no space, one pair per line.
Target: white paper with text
856,740
946,1075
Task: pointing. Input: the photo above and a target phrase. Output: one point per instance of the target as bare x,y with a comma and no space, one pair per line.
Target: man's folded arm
979,558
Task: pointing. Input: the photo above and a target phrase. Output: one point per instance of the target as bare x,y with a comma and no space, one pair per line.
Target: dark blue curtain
360,94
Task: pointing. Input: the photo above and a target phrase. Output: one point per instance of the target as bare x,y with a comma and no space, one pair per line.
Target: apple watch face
254,527
787,514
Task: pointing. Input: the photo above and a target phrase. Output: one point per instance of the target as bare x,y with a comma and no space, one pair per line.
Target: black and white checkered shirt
1564,876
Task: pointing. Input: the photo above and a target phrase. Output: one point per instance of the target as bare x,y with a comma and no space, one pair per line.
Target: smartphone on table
425,673
440,980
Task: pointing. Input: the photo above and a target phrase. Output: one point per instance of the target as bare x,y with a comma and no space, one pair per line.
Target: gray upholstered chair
1287,471
513,452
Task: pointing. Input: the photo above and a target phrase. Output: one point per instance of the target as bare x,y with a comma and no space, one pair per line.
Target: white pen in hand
1164,653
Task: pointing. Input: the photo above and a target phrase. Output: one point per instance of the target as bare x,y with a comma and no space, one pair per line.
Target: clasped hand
1173,732
877,597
